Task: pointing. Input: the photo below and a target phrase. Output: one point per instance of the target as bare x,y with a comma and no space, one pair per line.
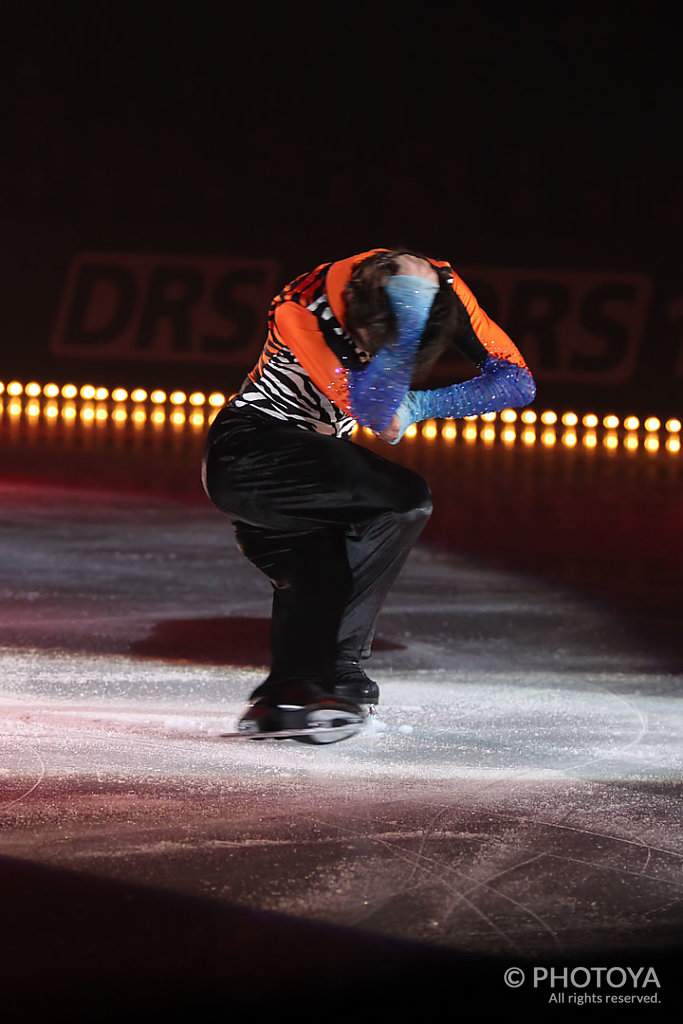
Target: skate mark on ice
616,869
648,914
436,870
486,883
639,715
416,861
41,776
593,834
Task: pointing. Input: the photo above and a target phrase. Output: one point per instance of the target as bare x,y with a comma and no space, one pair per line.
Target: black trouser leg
330,523
312,584
376,556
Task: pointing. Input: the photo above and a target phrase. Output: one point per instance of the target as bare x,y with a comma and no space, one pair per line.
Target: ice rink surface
515,802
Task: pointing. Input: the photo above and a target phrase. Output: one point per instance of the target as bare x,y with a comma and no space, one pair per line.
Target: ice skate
300,711
352,683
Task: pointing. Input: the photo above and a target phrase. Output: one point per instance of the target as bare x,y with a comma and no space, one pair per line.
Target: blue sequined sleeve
502,385
377,390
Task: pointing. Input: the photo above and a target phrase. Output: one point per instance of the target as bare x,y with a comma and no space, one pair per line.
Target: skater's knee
417,498
416,517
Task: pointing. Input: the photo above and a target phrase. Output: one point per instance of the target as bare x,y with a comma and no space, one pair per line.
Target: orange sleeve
297,328
492,337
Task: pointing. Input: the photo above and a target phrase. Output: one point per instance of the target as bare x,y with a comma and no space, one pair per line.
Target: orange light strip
96,404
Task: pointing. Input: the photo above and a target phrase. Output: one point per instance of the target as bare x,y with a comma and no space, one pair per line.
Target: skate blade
325,726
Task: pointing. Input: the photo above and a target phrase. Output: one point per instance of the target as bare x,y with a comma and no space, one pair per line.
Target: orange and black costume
306,370
329,522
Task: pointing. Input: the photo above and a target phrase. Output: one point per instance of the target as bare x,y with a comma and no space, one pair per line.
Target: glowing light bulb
197,398
548,417
631,422
51,390
178,398
508,416
158,397
87,392
610,422
14,388
216,399
528,416
652,424
139,395
33,389
673,426
69,391
119,394
569,419
509,435
411,431
590,420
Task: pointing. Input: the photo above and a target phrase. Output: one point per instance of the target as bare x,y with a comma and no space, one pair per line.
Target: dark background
511,134
556,131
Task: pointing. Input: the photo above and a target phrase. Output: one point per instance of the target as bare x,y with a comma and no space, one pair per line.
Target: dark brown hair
368,309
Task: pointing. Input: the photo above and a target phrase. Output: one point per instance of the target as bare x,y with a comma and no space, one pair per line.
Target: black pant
330,524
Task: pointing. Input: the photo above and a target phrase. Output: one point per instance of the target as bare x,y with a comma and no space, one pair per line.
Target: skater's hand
391,432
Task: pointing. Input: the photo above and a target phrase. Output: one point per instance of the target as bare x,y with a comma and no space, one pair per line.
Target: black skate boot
352,683
301,711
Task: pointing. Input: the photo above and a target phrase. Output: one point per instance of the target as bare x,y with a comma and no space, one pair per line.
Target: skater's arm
377,390
485,338
505,381
372,393
502,385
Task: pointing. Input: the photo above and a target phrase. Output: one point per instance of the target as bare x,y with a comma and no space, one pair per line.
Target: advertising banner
594,339
163,309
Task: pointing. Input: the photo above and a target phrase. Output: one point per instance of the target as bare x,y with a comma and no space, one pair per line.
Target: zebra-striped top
296,351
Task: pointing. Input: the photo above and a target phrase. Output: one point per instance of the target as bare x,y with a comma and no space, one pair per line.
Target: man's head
369,316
